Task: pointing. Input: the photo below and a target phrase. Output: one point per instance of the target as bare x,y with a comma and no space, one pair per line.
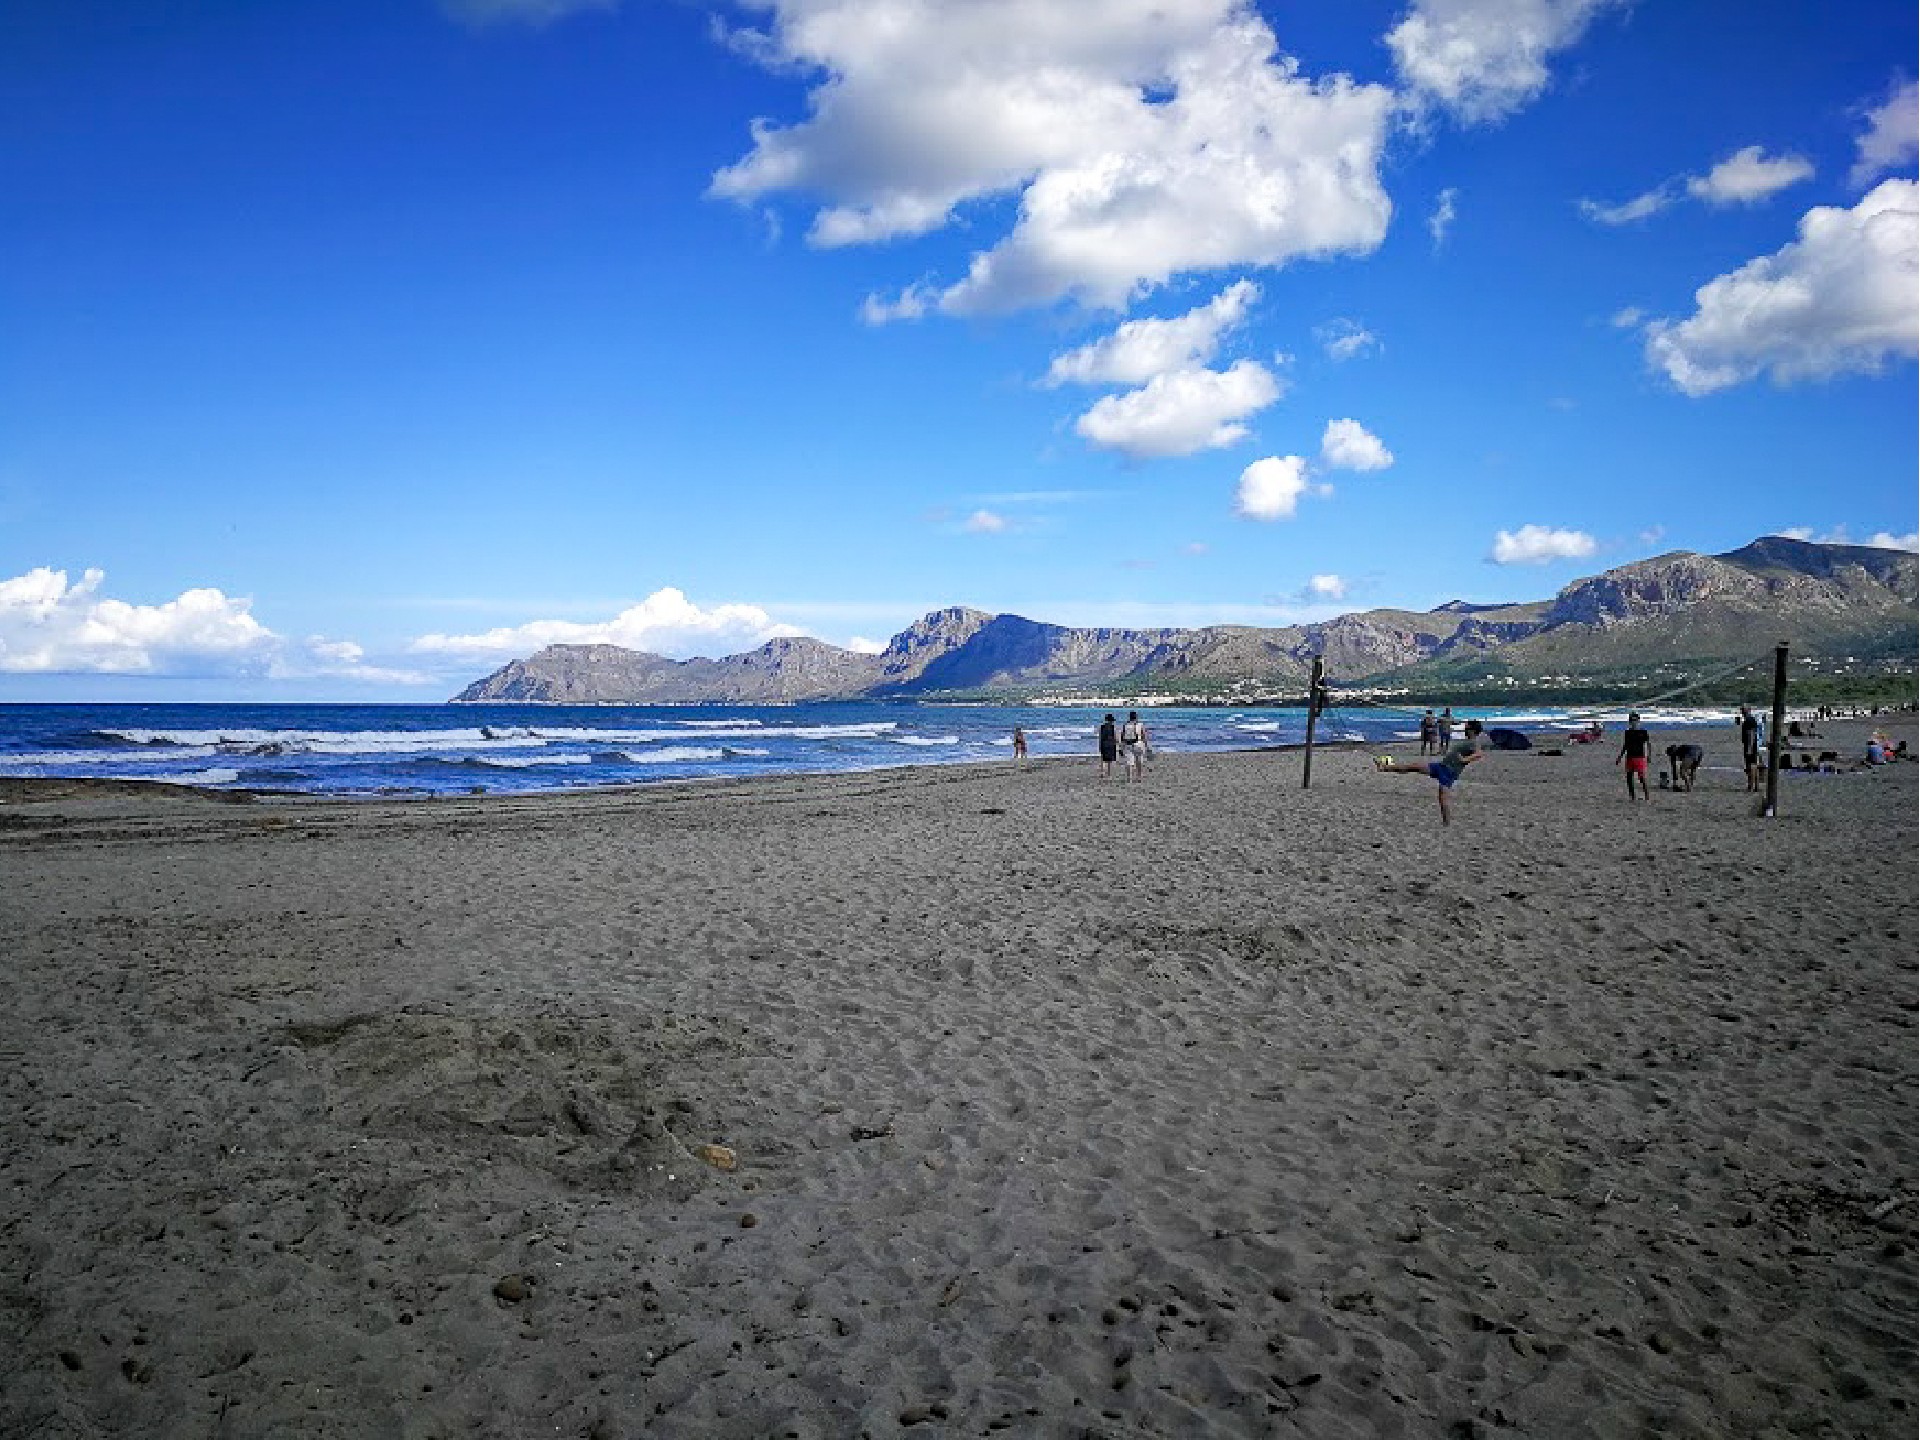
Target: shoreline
43,788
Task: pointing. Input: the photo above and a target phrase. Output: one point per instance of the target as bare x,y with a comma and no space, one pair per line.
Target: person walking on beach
1109,746
1429,733
1447,770
1133,740
1636,749
1446,728
1750,747
1019,745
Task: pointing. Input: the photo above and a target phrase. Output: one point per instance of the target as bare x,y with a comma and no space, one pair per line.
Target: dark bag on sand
1508,740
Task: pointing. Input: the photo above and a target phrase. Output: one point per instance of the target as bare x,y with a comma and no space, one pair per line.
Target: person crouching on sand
1447,770
1683,763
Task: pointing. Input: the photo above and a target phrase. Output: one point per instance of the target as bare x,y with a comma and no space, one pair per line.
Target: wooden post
1770,808
1314,690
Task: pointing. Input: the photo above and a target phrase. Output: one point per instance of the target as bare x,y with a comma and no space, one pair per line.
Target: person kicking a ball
1447,770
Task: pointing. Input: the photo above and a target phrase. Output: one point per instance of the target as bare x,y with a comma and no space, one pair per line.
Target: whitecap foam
102,759
925,739
215,776
679,755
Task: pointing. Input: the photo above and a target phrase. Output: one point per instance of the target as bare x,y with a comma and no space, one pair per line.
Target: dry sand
1204,1107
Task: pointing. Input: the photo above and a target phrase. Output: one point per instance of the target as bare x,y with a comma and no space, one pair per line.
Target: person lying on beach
1636,748
1683,761
1447,770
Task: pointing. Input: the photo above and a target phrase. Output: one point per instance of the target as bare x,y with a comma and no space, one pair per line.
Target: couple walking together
1128,741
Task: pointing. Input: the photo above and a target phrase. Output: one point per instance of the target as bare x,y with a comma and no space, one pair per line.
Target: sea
398,751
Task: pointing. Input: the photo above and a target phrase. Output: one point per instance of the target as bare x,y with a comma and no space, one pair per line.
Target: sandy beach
968,1101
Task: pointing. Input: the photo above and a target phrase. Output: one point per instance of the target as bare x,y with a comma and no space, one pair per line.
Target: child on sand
1447,769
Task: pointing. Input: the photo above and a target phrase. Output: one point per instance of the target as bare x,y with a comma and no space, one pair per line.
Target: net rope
1332,698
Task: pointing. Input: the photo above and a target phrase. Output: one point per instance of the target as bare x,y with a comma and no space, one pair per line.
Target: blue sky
349,348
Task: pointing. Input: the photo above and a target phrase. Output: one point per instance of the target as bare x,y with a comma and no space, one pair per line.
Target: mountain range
1675,613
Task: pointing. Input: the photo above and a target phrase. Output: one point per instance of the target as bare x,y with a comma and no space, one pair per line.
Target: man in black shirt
1750,746
1636,748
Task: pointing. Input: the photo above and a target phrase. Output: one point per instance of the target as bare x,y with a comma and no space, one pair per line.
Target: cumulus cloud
1879,540
1347,445
984,522
526,12
1169,137
1892,136
1484,59
1748,176
1142,349
1326,587
1345,340
1539,544
1270,489
50,626
861,645
1182,412
1842,298
665,623
1743,178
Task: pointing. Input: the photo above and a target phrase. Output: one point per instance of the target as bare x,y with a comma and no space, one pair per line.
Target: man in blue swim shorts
1447,770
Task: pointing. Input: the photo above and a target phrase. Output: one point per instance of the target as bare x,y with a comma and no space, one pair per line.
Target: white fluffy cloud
1345,340
1181,412
1539,544
665,623
1843,297
1142,349
1169,137
1348,445
1270,489
1743,178
1879,540
984,522
1327,587
1441,220
1482,59
49,626
1747,176
1892,136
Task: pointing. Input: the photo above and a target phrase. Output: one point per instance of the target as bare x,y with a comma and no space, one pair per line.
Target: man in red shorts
1636,748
